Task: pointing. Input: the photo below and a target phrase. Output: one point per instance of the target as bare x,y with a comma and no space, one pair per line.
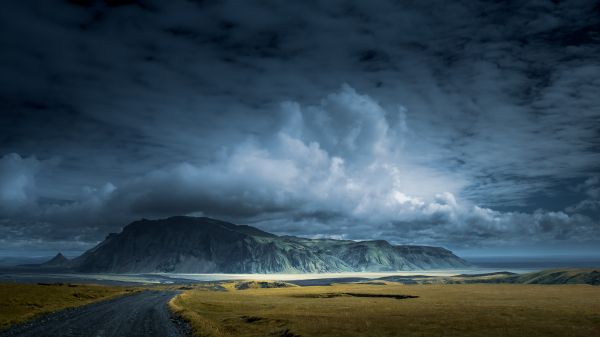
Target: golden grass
21,302
440,310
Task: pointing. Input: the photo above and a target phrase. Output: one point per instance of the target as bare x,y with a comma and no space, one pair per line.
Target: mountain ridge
204,245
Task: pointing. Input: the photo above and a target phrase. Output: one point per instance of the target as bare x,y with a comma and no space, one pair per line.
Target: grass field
439,310
20,302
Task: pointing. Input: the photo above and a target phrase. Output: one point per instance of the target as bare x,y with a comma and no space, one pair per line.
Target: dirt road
140,315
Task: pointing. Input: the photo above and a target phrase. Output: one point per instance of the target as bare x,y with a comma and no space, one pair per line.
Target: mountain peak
59,256
58,261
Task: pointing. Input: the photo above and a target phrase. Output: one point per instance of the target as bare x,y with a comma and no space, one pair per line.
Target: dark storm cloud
412,122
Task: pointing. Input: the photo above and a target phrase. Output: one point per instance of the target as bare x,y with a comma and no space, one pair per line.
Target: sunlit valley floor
547,303
387,309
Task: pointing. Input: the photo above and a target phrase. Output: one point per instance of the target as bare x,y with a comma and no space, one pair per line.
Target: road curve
143,314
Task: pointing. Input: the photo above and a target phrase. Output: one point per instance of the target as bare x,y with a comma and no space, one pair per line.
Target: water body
487,264
33,276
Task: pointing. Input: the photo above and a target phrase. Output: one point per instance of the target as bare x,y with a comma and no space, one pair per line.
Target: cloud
350,182
458,122
27,217
591,204
591,187
311,164
17,181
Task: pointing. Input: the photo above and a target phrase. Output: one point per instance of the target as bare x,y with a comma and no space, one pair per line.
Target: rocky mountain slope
204,245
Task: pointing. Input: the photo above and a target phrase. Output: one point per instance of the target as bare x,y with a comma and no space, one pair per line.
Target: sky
472,125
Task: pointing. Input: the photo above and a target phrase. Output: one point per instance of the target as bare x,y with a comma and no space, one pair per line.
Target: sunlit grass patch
395,310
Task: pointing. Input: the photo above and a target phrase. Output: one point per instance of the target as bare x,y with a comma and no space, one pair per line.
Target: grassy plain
439,310
20,302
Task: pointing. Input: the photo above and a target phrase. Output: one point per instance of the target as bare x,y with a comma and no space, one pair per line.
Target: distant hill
203,245
559,276
552,276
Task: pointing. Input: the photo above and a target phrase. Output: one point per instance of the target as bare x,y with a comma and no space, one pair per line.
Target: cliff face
204,245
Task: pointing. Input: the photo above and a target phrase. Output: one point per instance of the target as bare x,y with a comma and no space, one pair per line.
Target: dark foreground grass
395,310
21,302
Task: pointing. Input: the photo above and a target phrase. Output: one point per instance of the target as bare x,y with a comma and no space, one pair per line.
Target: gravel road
143,314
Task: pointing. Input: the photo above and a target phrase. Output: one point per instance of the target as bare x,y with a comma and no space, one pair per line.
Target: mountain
203,245
59,261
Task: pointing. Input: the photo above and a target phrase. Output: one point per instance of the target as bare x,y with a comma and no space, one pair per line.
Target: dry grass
440,310
20,302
